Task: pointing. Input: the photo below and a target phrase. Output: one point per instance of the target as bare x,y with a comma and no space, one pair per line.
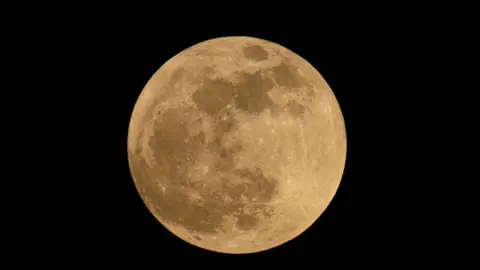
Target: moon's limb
237,145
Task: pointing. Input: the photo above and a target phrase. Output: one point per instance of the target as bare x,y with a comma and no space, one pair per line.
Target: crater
266,210
246,222
226,159
249,95
310,93
140,170
252,93
295,109
224,123
236,191
213,95
286,75
255,52
179,75
258,187
251,218
172,153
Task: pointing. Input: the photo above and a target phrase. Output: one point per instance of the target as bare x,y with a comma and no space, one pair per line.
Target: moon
237,145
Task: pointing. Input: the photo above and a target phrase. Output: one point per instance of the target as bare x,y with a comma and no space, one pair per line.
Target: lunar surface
237,145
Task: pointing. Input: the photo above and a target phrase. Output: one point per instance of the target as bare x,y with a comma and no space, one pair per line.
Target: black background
99,214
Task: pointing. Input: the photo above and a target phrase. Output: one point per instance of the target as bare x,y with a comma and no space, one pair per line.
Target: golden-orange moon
237,145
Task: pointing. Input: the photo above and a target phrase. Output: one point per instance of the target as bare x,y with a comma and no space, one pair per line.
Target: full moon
237,145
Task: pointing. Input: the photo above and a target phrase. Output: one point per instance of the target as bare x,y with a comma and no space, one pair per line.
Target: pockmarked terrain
237,145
